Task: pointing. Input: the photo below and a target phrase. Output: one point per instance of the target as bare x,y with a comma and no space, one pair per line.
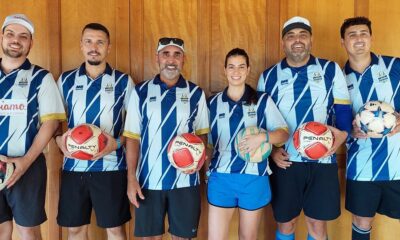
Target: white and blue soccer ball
376,118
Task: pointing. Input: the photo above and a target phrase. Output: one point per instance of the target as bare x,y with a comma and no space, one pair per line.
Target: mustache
96,52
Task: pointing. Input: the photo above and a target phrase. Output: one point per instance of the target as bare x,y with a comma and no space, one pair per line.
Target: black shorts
313,187
364,199
105,192
25,200
182,206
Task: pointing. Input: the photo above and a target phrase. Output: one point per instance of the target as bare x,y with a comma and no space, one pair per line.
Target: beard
298,56
170,74
14,54
94,63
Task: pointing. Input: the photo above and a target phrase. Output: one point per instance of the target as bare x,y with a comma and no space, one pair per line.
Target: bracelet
118,140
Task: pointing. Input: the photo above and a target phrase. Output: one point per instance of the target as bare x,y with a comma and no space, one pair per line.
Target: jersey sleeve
201,123
274,117
340,91
133,121
50,103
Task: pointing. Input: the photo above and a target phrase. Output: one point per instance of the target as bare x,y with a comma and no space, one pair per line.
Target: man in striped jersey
306,88
373,169
97,94
159,109
30,111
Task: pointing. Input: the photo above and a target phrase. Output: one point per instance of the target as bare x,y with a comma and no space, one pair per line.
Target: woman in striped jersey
234,183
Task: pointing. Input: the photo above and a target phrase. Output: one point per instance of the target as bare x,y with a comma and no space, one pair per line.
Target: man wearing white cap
30,111
306,88
160,109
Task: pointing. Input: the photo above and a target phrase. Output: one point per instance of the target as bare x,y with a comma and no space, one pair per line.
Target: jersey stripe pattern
304,94
227,118
28,97
101,102
374,159
155,115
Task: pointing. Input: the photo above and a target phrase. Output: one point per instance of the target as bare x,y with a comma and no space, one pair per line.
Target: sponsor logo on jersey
285,82
23,82
109,88
79,87
153,99
317,76
13,107
221,115
350,87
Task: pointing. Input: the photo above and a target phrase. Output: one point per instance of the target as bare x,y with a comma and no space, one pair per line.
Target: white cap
167,41
296,22
18,19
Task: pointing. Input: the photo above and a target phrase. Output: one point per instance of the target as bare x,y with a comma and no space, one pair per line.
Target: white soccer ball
376,118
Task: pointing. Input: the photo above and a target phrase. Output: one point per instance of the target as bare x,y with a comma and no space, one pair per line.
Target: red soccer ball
186,152
313,140
84,141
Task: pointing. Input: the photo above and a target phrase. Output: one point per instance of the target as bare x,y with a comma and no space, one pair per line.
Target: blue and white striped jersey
155,115
28,97
374,159
101,102
304,94
227,118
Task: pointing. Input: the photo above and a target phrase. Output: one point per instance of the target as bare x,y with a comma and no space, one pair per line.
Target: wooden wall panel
113,14
237,23
326,18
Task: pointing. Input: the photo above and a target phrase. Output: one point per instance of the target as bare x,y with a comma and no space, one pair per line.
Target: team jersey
227,118
156,114
101,102
304,94
374,159
28,97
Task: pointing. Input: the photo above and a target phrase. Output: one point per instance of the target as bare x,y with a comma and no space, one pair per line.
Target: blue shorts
249,192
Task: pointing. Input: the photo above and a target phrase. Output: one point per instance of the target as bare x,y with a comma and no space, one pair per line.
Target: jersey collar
243,100
180,84
82,70
374,61
311,61
25,66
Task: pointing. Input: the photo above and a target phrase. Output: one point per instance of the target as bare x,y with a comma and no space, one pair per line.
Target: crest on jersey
23,82
109,88
317,76
251,113
184,98
382,77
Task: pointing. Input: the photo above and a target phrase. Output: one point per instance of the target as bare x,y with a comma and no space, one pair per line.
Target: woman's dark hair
241,52
237,52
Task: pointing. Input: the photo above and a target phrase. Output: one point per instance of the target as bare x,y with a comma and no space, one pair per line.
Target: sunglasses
166,41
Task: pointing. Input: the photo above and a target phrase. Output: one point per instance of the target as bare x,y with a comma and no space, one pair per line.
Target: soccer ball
313,140
84,141
258,155
6,170
376,118
186,152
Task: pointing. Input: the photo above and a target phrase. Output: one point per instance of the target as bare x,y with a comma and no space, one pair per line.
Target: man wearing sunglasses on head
160,109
